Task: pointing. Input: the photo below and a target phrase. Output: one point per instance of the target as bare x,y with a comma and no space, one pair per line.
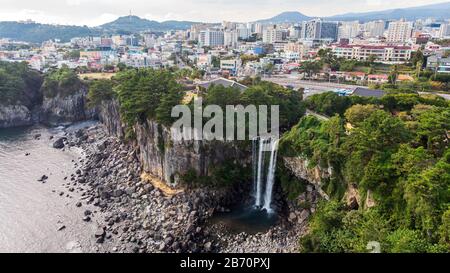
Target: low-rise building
232,66
439,64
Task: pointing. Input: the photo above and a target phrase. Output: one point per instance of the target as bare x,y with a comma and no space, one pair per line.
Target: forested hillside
391,172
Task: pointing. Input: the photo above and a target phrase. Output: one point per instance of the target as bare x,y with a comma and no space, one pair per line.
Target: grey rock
59,144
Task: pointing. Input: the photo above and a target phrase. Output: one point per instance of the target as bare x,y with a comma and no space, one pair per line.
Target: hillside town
353,53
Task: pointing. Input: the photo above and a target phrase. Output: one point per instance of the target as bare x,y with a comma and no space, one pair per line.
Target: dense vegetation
147,94
396,153
38,33
262,93
18,84
61,82
331,103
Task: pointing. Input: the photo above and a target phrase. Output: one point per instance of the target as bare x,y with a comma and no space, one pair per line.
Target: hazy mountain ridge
438,11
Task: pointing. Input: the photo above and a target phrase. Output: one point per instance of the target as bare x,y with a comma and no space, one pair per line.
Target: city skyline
85,12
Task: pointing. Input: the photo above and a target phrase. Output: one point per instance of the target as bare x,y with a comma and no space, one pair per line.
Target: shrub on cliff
62,82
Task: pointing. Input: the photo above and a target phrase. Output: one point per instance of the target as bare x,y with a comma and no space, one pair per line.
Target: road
313,88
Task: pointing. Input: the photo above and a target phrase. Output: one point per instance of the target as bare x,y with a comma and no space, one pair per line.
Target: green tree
358,113
100,90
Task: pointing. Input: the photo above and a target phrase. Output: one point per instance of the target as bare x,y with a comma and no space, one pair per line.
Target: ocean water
31,212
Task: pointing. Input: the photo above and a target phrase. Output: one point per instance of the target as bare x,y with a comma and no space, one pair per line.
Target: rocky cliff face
15,116
167,160
300,168
108,114
65,109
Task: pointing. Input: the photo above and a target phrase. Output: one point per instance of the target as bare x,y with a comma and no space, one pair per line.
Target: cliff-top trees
100,90
141,93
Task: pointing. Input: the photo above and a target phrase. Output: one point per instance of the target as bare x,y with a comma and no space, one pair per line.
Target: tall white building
211,38
259,28
375,28
230,38
349,30
272,35
244,32
444,31
399,32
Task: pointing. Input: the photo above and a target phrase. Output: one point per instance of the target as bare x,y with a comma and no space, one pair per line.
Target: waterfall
260,172
271,176
263,192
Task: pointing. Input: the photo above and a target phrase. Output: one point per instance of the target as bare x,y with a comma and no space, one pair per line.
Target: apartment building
348,30
272,35
444,31
386,54
374,28
230,38
211,38
319,30
399,32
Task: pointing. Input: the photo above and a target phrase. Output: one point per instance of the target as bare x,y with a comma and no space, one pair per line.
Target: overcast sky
96,12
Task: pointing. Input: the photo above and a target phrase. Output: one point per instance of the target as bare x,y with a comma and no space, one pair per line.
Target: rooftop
365,92
224,82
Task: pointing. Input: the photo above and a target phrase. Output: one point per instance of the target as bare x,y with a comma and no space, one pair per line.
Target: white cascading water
260,172
255,164
259,153
271,176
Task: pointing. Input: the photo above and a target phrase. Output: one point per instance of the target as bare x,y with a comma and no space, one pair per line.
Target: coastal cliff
314,175
165,159
61,110
15,116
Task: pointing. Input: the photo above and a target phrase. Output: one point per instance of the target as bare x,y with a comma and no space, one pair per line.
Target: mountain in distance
38,33
438,11
136,24
286,17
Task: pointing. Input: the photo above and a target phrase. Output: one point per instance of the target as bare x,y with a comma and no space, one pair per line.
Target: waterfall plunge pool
259,217
245,219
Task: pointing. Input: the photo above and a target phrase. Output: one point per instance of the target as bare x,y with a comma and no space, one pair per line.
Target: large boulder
59,144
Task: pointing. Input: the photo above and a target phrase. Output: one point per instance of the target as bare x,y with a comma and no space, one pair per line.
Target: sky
97,12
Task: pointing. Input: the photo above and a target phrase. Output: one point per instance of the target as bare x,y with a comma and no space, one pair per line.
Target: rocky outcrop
15,116
109,115
169,160
61,110
300,168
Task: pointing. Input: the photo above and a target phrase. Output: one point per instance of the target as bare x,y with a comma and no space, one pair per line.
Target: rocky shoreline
132,215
